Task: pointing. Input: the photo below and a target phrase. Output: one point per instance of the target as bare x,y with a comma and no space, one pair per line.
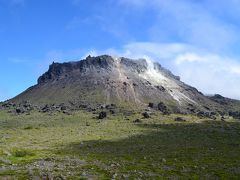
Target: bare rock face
60,71
121,81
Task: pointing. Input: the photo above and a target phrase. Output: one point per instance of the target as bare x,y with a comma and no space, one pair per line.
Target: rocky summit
122,81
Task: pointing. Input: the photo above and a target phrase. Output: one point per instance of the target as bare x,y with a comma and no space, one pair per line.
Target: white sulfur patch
157,78
122,77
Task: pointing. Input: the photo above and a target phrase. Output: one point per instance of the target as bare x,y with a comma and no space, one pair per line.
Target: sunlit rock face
106,79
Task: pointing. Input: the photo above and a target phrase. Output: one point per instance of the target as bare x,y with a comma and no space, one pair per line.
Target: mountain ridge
123,81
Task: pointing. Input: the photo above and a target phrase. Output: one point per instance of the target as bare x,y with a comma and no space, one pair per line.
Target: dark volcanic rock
137,121
66,112
151,105
161,88
234,114
112,111
146,115
163,108
63,108
20,110
180,119
58,71
46,108
206,114
8,104
102,115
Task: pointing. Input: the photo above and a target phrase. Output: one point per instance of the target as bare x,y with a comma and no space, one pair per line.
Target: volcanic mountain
122,81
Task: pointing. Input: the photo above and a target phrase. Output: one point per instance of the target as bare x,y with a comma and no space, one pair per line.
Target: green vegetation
79,146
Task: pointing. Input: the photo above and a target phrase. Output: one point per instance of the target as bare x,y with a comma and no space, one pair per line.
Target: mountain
121,81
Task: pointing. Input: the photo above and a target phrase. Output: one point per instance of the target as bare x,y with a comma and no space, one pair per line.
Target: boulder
8,104
137,121
146,115
235,114
180,119
66,112
112,111
20,110
222,118
161,88
163,108
151,105
110,106
45,109
63,108
102,115
207,114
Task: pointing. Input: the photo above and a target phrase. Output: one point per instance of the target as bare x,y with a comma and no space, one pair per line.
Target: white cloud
192,57
210,73
190,22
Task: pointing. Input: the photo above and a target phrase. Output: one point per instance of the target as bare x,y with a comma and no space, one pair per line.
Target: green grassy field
79,146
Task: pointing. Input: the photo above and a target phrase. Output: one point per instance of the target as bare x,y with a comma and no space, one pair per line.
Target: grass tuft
22,153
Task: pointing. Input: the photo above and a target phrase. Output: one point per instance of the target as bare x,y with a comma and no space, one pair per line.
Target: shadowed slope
208,149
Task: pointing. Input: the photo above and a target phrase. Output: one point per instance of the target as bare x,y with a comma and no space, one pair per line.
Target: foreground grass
79,146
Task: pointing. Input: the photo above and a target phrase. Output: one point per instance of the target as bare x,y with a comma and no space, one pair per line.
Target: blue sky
198,40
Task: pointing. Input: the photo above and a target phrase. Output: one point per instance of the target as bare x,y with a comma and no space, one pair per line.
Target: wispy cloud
212,25
210,73
191,22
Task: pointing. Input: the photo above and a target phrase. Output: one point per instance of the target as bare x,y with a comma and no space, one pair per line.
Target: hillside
125,82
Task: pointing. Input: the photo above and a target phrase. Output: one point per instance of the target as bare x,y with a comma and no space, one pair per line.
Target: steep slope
108,80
